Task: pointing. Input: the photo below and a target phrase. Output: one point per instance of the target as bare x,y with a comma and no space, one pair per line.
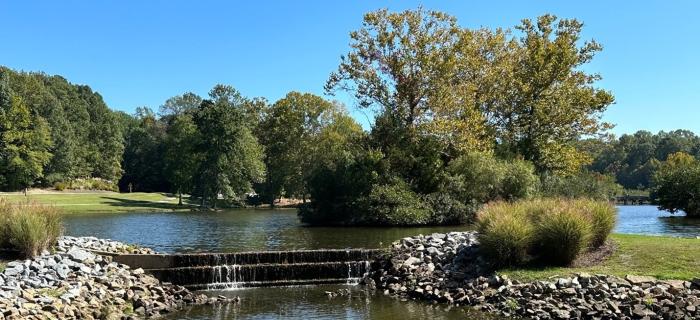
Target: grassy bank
71,202
661,257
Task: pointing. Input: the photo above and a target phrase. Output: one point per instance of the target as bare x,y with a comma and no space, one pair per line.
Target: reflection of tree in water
680,226
311,302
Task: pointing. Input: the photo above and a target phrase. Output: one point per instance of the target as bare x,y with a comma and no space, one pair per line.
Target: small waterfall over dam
249,269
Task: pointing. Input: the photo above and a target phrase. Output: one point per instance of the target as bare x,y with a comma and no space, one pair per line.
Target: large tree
231,157
550,102
288,132
181,157
421,72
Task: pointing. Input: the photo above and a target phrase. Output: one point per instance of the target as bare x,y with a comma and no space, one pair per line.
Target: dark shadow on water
120,202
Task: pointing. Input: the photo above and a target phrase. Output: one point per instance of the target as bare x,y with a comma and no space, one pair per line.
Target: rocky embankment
75,283
446,268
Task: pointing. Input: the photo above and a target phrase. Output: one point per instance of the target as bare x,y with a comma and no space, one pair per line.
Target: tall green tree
181,138
24,141
288,132
231,157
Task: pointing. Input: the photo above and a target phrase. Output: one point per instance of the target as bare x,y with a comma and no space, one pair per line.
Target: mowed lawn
70,202
661,257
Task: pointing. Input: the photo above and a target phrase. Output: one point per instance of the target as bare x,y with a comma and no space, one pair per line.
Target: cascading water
266,268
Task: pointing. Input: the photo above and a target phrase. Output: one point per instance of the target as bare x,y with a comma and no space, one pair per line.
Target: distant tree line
633,159
52,131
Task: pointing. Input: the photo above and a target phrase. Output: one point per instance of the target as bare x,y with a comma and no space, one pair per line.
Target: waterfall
265,268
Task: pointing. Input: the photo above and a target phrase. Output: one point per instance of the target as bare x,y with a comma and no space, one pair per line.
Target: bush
561,234
86,184
446,210
29,227
676,185
480,178
397,205
558,230
506,234
60,186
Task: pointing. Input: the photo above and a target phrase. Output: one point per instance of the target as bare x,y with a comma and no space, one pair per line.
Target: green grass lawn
661,257
103,201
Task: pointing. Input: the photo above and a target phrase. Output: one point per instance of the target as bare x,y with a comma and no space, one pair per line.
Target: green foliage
231,158
396,204
447,210
339,192
676,185
292,131
480,178
634,158
85,134
583,184
553,231
24,141
86,184
28,227
506,234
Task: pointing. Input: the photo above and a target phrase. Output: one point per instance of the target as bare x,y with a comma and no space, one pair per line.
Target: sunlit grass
103,201
661,257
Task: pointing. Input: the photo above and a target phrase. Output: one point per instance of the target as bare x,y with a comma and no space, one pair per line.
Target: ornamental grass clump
551,231
603,216
29,228
506,234
561,235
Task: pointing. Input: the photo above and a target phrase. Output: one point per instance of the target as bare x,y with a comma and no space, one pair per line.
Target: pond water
234,230
255,230
652,221
311,302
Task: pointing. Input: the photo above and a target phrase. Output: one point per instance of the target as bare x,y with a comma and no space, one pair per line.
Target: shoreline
447,268
75,282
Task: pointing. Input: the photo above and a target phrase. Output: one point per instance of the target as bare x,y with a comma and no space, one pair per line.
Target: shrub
60,186
480,178
445,209
561,235
506,234
29,227
396,204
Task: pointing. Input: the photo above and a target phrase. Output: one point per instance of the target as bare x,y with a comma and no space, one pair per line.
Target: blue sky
139,53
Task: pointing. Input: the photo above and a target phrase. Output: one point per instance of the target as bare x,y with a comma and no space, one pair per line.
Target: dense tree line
52,131
634,158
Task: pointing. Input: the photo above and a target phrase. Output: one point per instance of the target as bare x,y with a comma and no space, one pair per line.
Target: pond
255,230
234,230
650,220
311,302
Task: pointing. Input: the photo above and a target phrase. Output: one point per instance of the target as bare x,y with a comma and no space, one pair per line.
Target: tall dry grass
28,227
554,231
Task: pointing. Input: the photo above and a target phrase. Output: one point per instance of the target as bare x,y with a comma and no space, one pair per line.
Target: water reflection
234,230
310,302
652,221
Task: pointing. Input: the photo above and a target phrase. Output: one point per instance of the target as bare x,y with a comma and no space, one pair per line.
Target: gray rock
80,255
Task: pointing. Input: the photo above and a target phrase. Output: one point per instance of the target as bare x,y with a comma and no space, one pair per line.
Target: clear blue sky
139,53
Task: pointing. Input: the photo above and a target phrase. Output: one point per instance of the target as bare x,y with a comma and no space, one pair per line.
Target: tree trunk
179,195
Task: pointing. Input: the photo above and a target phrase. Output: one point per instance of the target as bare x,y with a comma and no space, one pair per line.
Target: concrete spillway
245,269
